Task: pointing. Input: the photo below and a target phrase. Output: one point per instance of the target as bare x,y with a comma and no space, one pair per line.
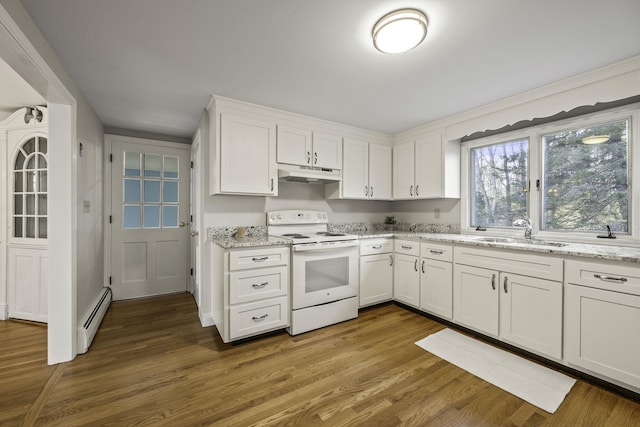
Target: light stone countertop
602,252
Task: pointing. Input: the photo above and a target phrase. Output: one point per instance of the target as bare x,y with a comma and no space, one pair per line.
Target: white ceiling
151,65
15,92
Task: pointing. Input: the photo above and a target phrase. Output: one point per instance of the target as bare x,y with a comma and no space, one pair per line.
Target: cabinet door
531,313
355,173
294,146
327,151
247,156
406,279
376,278
476,298
601,332
403,171
379,172
429,171
436,287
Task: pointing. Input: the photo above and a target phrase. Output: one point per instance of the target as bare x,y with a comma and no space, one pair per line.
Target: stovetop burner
330,233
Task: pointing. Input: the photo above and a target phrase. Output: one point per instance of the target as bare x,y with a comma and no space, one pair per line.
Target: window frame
535,171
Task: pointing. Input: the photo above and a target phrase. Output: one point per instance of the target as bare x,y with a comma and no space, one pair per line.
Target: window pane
43,181
31,163
29,146
151,191
131,217
170,192
42,162
170,167
132,191
152,165
499,183
169,216
131,164
42,228
42,145
20,161
585,179
151,216
17,227
31,181
17,205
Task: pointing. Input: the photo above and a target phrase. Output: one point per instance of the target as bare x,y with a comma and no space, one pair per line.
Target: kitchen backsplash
355,227
226,232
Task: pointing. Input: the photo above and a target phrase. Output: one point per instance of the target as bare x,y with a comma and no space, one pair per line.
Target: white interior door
149,212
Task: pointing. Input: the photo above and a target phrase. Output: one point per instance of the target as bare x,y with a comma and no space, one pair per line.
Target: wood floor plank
152,364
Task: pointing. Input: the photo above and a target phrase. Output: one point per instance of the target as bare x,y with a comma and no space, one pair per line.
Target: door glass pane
31,163
17,227
42,162
170,167
42,204
42,228
20,161
18,182
42,144
152,165
131,216
151,216
31,204
43,181
169,216
31,227
151,191
326,274
170,192
131,164
132,191
29,146
17,205
30,176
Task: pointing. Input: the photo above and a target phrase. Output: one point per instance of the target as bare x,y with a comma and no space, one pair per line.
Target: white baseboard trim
90,322
206,319
4,312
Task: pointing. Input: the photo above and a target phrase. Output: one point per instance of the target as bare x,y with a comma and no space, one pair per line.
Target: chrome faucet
526,223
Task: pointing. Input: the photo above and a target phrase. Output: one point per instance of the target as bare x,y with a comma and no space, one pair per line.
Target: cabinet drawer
406,247
257,317
257,258
261,283
613,276
526,264
376,246
436,251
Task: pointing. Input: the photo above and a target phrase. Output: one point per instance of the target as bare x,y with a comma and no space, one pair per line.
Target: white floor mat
538,385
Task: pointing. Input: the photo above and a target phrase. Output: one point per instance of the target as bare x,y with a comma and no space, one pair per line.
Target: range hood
308,174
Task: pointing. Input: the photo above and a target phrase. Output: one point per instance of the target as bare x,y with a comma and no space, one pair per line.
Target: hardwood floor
152,363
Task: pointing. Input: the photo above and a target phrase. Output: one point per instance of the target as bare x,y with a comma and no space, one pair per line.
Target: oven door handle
320,247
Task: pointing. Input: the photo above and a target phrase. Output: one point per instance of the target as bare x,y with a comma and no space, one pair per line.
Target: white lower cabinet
406,273
376,271
522,310
250,293
436,279
602,314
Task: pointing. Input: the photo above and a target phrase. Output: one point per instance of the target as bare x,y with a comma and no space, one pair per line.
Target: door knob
182,223
194,233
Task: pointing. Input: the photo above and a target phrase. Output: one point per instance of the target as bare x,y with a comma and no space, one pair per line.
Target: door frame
195,207
107,176
40,68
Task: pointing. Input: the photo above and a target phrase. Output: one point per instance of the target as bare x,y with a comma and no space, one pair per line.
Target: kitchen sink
534,242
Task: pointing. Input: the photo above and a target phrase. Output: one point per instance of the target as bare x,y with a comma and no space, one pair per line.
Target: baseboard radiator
89,324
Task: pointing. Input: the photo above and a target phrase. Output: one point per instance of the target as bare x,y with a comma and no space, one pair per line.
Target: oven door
324,272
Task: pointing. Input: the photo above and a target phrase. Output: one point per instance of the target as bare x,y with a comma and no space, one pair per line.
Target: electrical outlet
436,212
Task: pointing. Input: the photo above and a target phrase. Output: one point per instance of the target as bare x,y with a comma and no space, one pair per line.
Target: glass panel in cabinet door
42,228
31,227
17,227
42,204
18,208
42,145
42,181
18,182
20,159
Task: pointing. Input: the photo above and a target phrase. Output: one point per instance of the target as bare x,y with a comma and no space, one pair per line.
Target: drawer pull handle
259,319
264,258
423,272
376,247
415,264
610,278
493,282
259,285
506,279
406,247
433,251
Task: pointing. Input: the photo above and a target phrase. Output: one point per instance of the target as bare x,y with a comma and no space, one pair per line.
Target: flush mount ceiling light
400,31
595,139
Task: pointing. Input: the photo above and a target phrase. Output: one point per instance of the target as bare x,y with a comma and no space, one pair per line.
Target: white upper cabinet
297,146
426,168
244,155
366,172
294,146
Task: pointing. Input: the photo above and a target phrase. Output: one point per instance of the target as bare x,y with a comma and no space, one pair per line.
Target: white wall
426,211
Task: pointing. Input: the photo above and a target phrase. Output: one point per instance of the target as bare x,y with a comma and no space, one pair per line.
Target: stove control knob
320,216
324,216
279,216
